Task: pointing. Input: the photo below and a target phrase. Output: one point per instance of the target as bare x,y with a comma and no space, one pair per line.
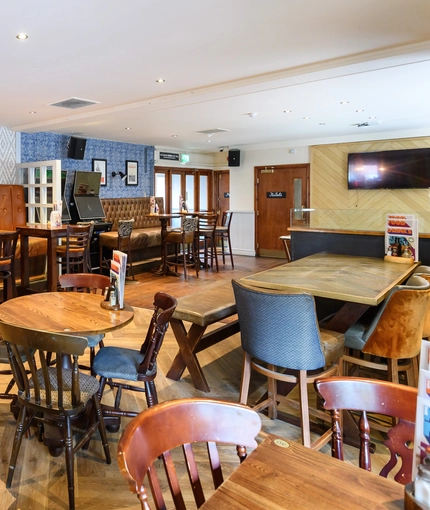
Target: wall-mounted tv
86,183
409,168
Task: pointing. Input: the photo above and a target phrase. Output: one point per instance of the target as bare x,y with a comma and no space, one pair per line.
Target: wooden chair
222,233
285,243
116,364
206,234
183,239
157,431
91,283
52,394
395,333
281,340
123,242
8,241
74,253
373,396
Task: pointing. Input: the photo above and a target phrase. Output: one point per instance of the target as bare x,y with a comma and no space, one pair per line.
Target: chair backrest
91,283
373,396
190,224
125,228
397,329
226,219
164,306
8,241
279,328
207,222
40,386
163,427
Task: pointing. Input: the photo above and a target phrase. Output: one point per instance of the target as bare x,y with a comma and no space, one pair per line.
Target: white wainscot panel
242,233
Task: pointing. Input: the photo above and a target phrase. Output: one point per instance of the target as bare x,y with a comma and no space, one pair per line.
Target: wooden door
222,192
278,190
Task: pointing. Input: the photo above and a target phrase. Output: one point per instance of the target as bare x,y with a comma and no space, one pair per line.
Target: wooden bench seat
201,309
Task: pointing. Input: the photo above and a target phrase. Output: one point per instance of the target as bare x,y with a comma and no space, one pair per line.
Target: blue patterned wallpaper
48,146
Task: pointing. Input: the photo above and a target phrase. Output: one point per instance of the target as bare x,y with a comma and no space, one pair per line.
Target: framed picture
131,171
99,165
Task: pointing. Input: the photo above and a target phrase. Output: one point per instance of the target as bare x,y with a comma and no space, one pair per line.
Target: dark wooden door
222,192
279,189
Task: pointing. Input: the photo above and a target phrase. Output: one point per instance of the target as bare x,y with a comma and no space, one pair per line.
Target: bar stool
207,234
123,243
222,233
183,238
8,241
74,255
285,240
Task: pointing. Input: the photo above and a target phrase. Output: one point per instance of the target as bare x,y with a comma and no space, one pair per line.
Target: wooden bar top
347,231
280,474
364,280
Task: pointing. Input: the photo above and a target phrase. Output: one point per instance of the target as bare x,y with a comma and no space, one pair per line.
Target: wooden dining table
280,474
358,282
63,312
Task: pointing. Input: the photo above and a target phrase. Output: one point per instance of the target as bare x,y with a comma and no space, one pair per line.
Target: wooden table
360,282
201,309
279,474
164,268
52,234
63,312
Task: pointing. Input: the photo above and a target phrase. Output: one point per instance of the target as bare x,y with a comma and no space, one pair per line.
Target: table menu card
401,236
118,270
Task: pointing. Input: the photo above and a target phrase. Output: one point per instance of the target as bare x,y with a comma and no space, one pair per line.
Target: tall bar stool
8,241
74,254
122,243
222,233
207,234
184,240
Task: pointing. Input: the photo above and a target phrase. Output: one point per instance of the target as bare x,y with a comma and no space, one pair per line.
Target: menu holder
411,502
399,260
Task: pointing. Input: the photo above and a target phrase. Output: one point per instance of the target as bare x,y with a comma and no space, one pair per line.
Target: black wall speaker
76,148
234,157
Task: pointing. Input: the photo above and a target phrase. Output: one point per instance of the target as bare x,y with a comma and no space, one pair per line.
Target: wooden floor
40,480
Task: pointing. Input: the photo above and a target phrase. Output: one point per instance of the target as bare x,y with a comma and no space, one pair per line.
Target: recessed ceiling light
31,113
359,110
174,136
22,37
322,123
306,118
209,141
127,128
287,111
160,80
372,117
344,102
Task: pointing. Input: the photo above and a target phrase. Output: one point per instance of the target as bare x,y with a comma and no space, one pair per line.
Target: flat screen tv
409,168
86,183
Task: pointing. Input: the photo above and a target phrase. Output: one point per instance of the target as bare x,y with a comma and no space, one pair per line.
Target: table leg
186,358
25,266
52,269
346,317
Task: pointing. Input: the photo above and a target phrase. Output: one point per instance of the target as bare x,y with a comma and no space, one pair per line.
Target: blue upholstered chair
394,333
116,364
281,340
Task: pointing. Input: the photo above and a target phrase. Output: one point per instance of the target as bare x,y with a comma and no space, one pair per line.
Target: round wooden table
64,312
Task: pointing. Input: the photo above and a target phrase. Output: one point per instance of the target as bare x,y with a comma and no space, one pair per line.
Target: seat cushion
332,344
140,238
94,340
119,363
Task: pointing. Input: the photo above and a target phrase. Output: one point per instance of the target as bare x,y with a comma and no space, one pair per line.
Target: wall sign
171,156
227,194
276,194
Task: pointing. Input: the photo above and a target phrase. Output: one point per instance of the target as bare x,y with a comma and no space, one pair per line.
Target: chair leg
393,370
246,377
229,250
271,390
102,429
68,446
16,445
151,393
184,260
304,409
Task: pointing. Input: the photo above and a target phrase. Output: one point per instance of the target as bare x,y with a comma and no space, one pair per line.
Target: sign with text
276,194
171,156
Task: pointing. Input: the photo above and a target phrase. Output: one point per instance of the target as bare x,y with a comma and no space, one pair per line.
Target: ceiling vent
211,132
73,103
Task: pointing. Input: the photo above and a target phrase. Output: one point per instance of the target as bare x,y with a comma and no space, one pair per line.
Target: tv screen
86,183
89,207
401,169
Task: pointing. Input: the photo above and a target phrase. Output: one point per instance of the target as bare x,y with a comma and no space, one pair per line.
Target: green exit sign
185,158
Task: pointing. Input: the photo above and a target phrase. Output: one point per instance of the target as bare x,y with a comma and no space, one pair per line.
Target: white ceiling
221,61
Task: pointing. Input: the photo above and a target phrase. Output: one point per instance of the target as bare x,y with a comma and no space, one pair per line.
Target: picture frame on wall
100,165
131,170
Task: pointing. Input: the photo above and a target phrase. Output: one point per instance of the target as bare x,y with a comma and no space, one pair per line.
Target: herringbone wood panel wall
361,209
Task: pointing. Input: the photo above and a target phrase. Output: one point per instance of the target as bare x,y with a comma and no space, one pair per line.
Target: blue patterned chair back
280,329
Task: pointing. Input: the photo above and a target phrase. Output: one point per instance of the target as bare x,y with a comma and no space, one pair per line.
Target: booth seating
13,214
145,239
